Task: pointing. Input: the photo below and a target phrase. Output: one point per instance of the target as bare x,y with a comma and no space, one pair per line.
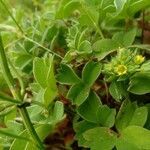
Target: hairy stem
23,112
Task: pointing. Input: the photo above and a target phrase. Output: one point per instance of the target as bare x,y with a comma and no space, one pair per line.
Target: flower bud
139,59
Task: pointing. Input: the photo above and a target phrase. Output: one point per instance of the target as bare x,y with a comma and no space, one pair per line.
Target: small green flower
139,59
121,70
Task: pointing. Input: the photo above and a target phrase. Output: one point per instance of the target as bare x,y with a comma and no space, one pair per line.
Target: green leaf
106,116
118,89
44,75
137,5
145,67
139,117
128,8
36,113
43,131
89,16
10,116
100,138
129,114
66,75
50,78
139,83
14,127
6,110
141,46
40,71
104,47
43,71
85,47
39,95
10,134
49,95
69,56
119,4
19,144
125,39
23,60
122,9
70,7
49,34
129,37
78,93
58,112
134,138
88,110
147,124
125,114
115,91
80,128
59,13
91,72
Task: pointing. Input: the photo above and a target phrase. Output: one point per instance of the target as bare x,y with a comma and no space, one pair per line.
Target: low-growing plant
75,74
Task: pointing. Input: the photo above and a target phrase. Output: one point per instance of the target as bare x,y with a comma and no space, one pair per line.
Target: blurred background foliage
74,31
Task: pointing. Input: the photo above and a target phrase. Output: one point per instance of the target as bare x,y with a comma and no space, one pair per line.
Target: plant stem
4,98
5,6
41,46
24,35
13,135
23,112
7,75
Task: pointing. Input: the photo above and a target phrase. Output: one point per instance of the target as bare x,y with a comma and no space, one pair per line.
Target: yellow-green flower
139,59
121,70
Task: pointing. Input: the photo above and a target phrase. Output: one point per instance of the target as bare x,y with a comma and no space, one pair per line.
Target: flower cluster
126,62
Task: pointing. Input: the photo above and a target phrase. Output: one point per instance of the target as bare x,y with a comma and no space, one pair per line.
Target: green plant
86,61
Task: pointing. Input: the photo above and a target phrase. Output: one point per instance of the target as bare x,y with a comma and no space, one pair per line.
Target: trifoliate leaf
67,75
91,72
